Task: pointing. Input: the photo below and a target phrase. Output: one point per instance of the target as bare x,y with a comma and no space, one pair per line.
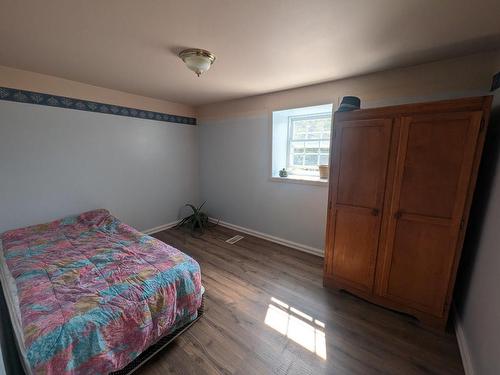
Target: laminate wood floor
267,313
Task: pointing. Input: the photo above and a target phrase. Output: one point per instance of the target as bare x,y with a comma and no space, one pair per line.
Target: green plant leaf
195,210
182,222
199,208
200,225
197,219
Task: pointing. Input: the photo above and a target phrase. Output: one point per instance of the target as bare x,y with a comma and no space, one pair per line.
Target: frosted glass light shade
197,60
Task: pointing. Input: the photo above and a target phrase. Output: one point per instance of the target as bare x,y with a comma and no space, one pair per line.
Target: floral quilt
94,292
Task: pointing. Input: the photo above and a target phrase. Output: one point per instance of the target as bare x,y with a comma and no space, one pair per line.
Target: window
301,141
308,143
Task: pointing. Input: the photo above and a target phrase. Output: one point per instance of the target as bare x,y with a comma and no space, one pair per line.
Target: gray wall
55,162
235,169
477,295
235,166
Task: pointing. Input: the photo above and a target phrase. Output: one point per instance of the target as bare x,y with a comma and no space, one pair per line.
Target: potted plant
196,220
283,173
323,171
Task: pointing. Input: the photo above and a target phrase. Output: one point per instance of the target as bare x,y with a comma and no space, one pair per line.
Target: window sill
301,180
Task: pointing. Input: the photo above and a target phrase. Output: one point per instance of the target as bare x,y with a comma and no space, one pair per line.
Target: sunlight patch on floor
298,326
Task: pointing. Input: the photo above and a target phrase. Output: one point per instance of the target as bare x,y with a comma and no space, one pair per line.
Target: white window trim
314,182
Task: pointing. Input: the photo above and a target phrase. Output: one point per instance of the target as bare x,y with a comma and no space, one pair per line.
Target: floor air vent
234,239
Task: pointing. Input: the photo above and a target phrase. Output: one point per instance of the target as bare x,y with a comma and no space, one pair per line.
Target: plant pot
283,173
323,171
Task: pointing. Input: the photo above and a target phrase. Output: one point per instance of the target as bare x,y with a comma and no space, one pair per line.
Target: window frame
294,179
291,139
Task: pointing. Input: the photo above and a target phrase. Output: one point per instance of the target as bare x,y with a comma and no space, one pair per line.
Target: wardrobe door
357,185
433,170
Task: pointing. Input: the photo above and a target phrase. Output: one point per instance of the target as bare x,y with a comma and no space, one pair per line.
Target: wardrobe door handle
397,215
375,211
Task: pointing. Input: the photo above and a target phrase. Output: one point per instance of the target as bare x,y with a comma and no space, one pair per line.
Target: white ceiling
261,45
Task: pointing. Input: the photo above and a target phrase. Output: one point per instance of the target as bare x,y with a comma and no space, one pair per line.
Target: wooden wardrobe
401,185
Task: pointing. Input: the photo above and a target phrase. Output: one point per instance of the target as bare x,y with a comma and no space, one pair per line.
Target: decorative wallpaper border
30,97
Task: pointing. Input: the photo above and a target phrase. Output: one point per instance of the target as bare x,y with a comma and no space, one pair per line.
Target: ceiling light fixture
198,60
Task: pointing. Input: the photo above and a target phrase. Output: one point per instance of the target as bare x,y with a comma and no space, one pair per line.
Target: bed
88,294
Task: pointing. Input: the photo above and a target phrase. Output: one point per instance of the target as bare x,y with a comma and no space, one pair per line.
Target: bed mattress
87,294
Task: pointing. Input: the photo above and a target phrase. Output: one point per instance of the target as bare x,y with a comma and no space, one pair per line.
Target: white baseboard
265,236
462,344
160,228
